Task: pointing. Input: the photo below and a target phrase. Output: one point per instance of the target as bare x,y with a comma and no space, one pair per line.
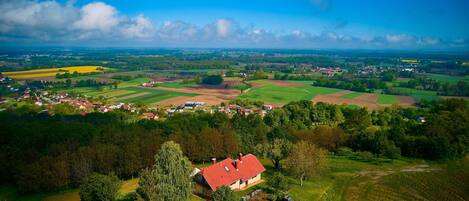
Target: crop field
135,94
283,92
409,61
417,184
387,99
418,94
447,78
50,72
176,84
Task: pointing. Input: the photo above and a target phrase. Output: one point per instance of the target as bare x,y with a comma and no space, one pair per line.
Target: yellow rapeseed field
409,61
50,72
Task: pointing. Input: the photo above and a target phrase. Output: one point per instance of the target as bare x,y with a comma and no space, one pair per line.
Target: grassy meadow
272,93
447,78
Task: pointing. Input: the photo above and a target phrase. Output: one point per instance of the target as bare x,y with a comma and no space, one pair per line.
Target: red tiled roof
217,175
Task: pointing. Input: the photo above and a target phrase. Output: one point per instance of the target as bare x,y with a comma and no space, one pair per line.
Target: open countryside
52,72
202,100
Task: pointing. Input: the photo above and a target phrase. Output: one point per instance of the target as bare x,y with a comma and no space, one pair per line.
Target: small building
237,174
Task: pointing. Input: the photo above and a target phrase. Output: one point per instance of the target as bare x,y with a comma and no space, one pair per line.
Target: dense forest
47,153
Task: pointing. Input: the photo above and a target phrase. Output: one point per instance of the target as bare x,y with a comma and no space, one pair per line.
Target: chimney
214,160
240,157
236,164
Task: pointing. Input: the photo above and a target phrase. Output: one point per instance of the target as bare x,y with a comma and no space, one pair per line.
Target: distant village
47,99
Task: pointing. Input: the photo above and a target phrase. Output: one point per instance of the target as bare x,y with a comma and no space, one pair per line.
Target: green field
447,78
352,95
131,90
272,93
387,99
152,96
133,82
418,94
176,85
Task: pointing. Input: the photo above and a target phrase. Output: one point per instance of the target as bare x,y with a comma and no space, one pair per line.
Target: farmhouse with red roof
237,174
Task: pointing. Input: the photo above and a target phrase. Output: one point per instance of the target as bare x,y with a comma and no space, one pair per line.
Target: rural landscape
99,105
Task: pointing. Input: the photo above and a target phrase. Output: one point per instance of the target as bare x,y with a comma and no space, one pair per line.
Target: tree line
47,153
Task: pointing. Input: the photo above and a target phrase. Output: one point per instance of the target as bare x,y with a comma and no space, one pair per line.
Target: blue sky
310,24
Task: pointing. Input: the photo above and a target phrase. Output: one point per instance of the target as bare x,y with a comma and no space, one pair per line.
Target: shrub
98,187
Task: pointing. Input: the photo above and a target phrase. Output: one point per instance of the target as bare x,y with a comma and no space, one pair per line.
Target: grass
387,99
352,95
134,82
418,94
50,72
241,87
129,88
176,85
345,179
271,93
447,78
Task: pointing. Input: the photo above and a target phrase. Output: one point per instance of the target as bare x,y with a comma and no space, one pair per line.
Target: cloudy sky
306,24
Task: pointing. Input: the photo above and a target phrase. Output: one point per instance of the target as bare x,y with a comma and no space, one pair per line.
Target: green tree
98,187
278,182
224,193
169,179
275,151
306,160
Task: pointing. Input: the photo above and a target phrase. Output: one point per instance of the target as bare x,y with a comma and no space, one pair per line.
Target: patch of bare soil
406,100
209,96
131,96
366,100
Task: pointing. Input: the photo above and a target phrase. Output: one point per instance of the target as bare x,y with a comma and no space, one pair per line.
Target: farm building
237,174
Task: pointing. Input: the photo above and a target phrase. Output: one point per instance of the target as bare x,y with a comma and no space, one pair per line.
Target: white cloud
223,27
97,16
32,22
399,38
140,27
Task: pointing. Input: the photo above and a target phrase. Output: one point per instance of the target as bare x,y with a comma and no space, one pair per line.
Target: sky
297,24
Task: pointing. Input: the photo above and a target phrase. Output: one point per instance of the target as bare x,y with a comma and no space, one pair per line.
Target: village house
237,174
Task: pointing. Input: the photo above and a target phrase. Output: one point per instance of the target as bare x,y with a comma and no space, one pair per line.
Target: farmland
134,94
271,92
51,72
447,78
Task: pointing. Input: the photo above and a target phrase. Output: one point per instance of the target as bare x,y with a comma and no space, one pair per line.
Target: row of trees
461,88
361,85
53,152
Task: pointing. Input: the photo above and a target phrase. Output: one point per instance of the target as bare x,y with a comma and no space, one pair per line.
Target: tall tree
275,151
224,193
169,179
98,187
306,160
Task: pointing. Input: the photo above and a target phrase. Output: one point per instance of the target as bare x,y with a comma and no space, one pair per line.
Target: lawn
272,93
387,99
